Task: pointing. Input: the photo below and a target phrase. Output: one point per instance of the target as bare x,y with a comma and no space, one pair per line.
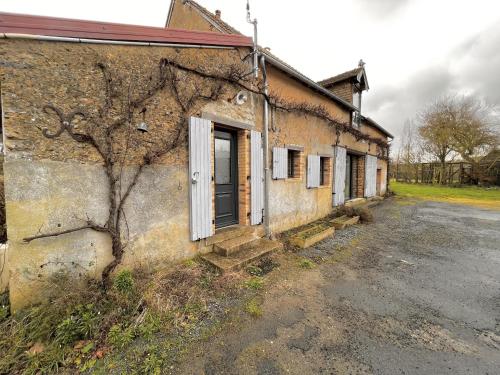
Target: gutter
377,126
103,41
307,81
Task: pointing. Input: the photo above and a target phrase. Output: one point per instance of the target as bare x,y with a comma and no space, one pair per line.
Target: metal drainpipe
267,175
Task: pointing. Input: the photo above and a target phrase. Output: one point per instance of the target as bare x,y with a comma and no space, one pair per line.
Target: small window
324,171
355,119
293,164
356,97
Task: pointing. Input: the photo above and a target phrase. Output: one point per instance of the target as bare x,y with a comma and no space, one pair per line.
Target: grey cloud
474,66
392,105
480,59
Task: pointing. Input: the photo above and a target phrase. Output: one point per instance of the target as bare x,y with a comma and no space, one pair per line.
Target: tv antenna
255,46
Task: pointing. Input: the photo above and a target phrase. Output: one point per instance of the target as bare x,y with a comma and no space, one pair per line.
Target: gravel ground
417,292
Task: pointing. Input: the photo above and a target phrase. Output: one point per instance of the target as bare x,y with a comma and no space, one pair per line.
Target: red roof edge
11,23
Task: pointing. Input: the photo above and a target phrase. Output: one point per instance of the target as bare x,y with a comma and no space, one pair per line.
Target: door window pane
222,161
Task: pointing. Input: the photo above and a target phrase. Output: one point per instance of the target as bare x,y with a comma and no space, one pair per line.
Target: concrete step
256,249
229,232
233,245
344,221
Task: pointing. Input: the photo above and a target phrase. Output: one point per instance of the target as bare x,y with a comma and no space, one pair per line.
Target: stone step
256,249
233,245
344,221
229,232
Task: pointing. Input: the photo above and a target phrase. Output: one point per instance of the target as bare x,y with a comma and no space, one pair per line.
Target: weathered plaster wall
54,185
291,202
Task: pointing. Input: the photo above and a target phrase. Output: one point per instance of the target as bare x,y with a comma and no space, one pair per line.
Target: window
324,171
293,164
355,119
356,98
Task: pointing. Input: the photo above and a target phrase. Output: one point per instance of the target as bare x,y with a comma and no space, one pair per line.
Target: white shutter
200,178
340,175
383,186
370,176
313,171
256,178
280,163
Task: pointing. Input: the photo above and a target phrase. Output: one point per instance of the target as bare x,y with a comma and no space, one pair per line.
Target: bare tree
473,129
436,131
410,153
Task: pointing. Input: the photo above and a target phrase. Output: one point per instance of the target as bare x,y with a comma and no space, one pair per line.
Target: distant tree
474,131
437,132
410,151
462,125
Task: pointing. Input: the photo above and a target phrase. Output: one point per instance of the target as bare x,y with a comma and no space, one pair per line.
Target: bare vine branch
105,129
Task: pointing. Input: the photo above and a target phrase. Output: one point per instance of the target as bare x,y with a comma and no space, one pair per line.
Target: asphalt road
416,292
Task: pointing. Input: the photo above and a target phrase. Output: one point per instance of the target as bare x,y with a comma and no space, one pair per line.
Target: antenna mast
255,52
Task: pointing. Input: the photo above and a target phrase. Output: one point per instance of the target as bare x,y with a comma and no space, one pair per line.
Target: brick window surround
325,170
294,164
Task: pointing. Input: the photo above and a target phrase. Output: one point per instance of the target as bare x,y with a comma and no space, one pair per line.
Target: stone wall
55,184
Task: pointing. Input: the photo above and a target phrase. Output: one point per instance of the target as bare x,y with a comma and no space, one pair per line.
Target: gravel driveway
417,292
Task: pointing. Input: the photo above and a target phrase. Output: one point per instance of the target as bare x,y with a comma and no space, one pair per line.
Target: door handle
194,179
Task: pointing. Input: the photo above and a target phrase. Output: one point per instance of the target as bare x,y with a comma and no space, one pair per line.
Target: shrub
81,324
124,282
365,215
119,337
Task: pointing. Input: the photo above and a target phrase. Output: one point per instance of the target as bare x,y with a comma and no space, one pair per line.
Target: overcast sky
415,50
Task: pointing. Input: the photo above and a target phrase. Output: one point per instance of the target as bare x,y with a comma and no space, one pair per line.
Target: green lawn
473,195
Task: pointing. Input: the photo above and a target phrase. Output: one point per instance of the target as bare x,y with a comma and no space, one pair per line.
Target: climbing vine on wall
111,130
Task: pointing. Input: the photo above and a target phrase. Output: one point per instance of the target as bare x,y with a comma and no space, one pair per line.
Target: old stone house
213,189
342,96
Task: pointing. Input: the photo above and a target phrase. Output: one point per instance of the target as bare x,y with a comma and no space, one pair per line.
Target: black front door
226,178
351,176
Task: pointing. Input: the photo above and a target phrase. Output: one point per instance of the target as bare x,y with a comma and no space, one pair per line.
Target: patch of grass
469,195
254,307
306,263
4,306
142,324
254,283
190,263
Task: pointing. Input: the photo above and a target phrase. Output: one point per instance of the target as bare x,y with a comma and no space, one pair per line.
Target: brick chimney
217,13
